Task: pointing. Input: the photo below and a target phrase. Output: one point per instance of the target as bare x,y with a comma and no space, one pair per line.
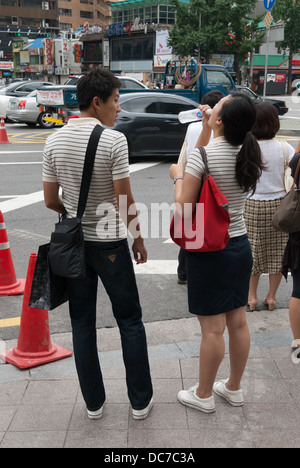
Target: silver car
25,110
18,89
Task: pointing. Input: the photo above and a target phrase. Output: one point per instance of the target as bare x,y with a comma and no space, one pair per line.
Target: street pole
266,63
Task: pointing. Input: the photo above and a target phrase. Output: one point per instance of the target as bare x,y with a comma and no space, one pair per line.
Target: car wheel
44,123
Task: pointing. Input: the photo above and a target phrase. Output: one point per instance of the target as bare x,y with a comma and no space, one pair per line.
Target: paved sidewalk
43,406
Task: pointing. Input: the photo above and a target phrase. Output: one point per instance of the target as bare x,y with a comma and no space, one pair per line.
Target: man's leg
115,268
82,304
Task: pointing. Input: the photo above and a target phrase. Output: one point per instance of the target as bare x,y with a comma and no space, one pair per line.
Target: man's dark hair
212,98
98,82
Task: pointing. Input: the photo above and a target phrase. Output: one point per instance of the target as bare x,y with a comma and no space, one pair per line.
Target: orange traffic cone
34,346
3,134
9,284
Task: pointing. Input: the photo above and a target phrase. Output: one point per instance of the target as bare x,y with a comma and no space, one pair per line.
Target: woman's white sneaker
234,397
189,398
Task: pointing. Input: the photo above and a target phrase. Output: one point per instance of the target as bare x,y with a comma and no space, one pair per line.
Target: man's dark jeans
111,261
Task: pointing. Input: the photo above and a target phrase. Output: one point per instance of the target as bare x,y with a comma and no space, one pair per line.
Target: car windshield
247,91
72,81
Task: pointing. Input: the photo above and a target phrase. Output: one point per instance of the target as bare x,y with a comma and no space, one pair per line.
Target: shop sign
48,51
115,29
161,60
7,66
161,46
272,78
118,29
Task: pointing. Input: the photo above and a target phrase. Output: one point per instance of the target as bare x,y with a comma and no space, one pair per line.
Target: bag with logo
207,229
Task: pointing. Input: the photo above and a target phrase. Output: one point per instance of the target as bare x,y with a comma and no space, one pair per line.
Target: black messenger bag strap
88,169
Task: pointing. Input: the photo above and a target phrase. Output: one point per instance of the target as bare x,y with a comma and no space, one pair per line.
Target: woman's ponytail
238,115
248,166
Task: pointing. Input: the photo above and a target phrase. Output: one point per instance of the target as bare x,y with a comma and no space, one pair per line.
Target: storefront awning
36,44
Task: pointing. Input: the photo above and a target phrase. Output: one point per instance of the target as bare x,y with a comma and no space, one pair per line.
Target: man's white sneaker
143,413
95,414
189,398
234,397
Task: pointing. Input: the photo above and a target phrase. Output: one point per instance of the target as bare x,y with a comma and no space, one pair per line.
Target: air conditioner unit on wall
14,20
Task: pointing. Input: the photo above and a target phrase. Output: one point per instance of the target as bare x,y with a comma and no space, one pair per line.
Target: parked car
280,105
25,110
18,89
150,123
127,82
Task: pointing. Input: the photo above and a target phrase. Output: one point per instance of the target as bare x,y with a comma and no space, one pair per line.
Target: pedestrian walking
267,243
105,235
218,281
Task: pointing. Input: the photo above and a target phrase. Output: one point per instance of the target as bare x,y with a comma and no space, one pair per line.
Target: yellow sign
268,20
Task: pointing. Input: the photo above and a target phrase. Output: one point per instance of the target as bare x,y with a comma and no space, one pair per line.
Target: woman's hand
176,170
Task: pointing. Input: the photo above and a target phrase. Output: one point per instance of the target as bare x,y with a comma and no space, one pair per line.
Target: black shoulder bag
66,252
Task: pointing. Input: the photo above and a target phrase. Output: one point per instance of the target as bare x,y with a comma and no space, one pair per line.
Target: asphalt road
29,225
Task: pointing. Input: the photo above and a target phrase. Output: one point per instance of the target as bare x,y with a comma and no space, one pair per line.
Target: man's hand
139,250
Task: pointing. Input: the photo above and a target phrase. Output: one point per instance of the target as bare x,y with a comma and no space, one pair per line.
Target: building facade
59,14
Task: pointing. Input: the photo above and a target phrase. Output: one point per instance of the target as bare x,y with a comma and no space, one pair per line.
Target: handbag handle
296,175
285,154
204,158
88,169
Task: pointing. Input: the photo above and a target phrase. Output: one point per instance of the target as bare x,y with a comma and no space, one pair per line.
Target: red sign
48,51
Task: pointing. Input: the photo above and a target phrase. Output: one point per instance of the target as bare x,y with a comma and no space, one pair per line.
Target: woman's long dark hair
238,115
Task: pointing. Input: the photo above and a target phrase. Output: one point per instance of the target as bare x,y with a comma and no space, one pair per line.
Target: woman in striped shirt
218,282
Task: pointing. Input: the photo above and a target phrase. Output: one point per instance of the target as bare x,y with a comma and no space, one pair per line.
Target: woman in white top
267,244
218,282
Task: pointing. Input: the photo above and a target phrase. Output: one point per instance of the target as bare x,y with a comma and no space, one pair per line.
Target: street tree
210,26
289,12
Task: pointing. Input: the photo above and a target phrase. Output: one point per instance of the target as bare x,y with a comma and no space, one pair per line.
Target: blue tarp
36,44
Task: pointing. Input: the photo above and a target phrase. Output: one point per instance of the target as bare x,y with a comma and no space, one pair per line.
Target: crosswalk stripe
11,322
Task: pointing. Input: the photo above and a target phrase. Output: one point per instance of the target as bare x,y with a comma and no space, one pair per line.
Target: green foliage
289,12
205,24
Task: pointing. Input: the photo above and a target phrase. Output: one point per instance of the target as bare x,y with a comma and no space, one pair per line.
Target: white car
25,110
126,81
18,89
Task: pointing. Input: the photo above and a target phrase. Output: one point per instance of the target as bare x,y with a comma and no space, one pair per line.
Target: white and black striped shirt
221,157
64,155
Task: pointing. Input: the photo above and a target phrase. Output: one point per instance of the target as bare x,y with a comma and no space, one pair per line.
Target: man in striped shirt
107,252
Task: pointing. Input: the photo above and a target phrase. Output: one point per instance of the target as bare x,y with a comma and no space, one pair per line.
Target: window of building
65,26
11,3
86,14
64,12
147,15
92,52
134,48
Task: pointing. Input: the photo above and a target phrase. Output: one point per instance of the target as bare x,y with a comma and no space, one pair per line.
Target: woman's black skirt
218,282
